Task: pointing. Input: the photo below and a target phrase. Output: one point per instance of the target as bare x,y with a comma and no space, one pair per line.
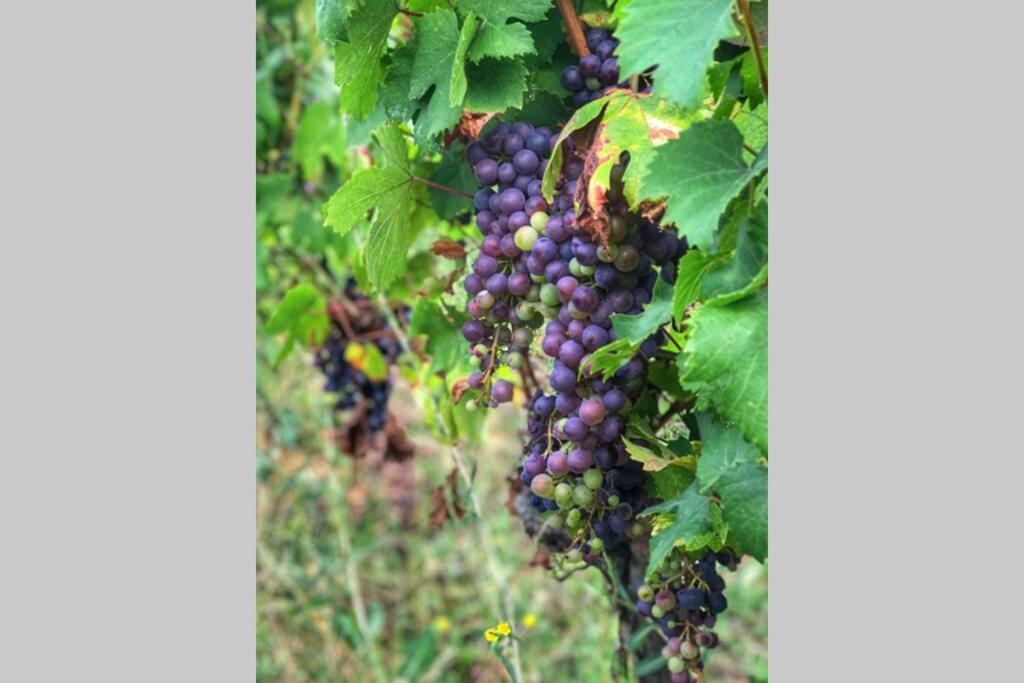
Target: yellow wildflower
443,624
500,631
530,620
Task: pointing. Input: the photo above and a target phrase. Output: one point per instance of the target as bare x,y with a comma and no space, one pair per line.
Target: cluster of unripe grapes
686,597
351,384
597,71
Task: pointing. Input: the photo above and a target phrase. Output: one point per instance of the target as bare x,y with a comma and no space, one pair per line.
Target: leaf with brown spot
449,249
469,126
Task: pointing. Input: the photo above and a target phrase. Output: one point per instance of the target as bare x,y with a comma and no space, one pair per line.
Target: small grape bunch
596,71
685,598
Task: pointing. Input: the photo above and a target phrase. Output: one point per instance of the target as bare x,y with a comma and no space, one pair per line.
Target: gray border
895,346
127,489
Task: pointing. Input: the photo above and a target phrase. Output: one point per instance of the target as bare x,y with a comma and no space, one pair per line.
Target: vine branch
748,22
577,40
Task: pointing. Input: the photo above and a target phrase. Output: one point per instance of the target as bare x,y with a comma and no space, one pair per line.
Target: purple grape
544,406
539,143
592,411
517,220
566,286
609,71
534,188
574,330
511,200
595,37
525,160
580,461
518,284
576,429
621,300
614,400
473,283
556,229
545,250
605,49
512,144
586,254
535,204
563,379
572,79
555,327
605,457
476,380
506,173
491,246
475,153
556,271
551,345
484,219
522,183
571,353
497,284
558,464
486,172
534,465
474,331
590,66
611,428
594,336
485,266
482,198
585,298
566,403
509,249
501,391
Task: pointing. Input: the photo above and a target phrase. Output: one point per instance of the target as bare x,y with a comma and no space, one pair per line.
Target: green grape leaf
319,134
453,171
637,328
394,93
669,482
497,37
297,303
644,446
715,537
357,60
680,37
610,357
692,520
744,493
443,331
753,126
752,77
332,20
302,316
457,89
749,259
723,449
436,66
725,362
628,121
699,173
691,271
388,190
495,85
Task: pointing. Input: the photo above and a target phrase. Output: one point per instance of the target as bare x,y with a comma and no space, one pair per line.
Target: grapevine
553,212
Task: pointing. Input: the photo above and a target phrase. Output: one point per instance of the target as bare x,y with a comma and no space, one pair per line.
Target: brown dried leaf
399,447
449,249
440,511
469,126
459,388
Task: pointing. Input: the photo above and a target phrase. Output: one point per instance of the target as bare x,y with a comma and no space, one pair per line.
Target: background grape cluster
351,384
596,72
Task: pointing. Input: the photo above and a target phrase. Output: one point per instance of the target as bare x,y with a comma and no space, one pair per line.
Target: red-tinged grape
543,486
592,410
580,461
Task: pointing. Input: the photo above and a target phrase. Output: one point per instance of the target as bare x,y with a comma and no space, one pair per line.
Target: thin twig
748,21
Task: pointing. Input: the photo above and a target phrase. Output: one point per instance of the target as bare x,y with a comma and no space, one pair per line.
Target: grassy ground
356,584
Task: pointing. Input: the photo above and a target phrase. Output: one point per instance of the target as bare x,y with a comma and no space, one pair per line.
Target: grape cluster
350,383
686,598
504,287
597,71
537,264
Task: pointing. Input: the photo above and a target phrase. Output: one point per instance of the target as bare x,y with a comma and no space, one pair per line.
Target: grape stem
748,22
574,28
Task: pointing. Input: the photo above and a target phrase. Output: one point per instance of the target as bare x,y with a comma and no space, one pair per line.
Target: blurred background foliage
373,569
